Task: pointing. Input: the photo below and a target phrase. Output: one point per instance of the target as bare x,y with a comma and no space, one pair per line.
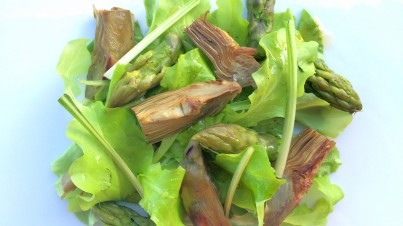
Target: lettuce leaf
318,114
316,205
161,194
95,173
310,30
259,177
73,64
158,13
330,164
192,67
269,99
61,165
233,24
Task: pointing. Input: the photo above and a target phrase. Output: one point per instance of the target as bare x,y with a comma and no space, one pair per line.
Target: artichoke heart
114,37
171,112
306,155
200,197
231,62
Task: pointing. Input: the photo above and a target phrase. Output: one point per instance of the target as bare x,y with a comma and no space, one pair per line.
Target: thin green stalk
164,147
236,178
136,50
68,103
292,100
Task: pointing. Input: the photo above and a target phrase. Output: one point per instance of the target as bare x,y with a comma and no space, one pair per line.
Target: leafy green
330,164
138,35
233,24
161,194
318,114
150,6
270,98
192,67
95,173
316,205
74,62
259,177
61,165
280,20
310,30
166,8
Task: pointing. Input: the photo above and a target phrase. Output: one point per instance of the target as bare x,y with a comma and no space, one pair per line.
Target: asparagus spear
168,113
114,36
112,214
333,88
146,72
260,16
199,195
232,138
327,84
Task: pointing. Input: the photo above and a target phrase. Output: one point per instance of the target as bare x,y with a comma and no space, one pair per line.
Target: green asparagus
111,214
333,88
232,138
260,16
146,72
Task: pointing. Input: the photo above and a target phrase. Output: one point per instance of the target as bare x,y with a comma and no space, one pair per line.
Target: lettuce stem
164,147
136,50
68,103
236,178
292,100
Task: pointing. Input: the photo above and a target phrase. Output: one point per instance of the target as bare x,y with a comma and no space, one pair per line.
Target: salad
208,119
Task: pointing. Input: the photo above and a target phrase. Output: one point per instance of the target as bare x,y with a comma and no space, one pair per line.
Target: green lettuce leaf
269,99
161,194
61,165
192,67
74,63
318,114
95,173
165,8
228,17
259,177
330,164
316,205
150,6
280,19
310,30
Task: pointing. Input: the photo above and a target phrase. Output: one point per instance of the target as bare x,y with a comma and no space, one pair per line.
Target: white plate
366,37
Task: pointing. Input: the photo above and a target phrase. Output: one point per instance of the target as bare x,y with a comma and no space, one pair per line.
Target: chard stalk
68,103
236,178
136,50
292,100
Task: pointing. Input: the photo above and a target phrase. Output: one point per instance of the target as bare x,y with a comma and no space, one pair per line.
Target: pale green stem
136,50
68,103
236,178
292,100
164,147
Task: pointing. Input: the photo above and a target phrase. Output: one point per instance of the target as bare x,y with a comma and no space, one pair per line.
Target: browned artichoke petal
231,62
114,37
199,195
171,112
304,159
